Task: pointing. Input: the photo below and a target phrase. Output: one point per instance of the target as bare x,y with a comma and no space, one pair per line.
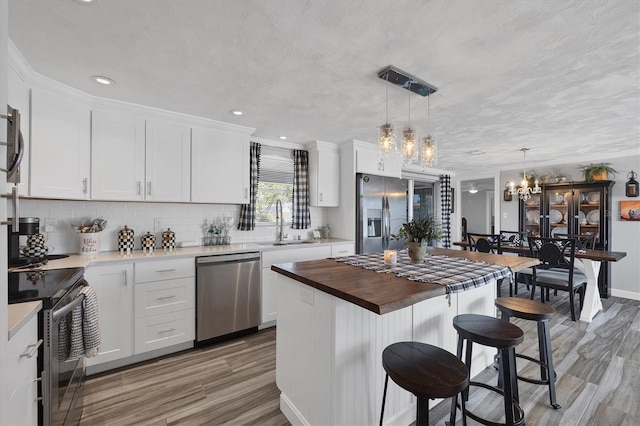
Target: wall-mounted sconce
631,187
507,193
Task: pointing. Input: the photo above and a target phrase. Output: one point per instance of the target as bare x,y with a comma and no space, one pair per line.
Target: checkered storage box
168,240
125,240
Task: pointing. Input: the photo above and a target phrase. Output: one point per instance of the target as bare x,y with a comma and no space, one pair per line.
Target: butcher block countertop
382,293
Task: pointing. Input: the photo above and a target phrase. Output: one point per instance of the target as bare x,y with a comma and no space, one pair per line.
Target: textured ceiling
559,76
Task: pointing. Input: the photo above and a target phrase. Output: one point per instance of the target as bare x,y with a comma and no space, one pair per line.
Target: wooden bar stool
541,313
426,371
504,336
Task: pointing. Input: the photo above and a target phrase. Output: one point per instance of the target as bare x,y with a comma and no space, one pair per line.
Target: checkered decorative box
125,240
169,240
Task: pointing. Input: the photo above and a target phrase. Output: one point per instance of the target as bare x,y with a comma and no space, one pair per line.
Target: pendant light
387,139
524,191
429,149
409,148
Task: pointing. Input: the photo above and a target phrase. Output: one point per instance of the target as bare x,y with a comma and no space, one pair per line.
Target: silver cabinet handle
139,187
34,349
165,297
149,188
321,196
246,193
84,185
126,277
166,270
169,330
343,251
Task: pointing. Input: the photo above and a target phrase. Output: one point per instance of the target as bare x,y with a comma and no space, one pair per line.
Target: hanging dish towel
85,326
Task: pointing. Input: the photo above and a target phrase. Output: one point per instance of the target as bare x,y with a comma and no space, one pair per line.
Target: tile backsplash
186,220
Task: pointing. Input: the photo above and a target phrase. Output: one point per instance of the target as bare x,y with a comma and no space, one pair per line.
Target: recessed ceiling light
282,137
473,191
102,80
236,112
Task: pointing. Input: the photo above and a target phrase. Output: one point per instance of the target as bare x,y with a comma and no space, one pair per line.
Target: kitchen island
334,321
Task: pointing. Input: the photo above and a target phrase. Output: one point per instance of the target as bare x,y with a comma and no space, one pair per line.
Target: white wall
474,208
186,220
625,235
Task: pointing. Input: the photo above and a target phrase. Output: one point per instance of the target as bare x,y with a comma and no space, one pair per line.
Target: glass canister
125,240
168,240
148,242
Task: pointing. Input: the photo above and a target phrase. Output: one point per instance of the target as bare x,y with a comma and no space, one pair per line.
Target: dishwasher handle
224,258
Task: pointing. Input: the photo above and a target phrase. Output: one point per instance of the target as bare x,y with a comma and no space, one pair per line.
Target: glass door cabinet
572,208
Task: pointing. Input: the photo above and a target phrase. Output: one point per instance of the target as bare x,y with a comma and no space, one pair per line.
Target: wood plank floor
233,383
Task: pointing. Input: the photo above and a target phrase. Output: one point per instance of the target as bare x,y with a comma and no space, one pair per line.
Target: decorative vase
417,251
602,175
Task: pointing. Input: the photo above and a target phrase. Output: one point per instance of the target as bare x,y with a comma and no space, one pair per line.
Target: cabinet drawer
160,297
164,330
294,255
346,249
165,269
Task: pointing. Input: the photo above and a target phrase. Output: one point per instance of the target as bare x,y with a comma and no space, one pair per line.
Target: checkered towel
454,273
81,337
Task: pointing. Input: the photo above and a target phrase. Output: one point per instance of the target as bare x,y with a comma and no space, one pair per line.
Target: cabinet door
117,156
368,161
60,146
113,285
269,295
220,167
558,215
168,161
530,217
324,177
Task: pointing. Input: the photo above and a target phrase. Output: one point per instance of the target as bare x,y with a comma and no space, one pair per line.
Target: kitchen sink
287,243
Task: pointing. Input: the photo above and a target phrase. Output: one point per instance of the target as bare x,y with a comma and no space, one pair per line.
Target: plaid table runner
454,273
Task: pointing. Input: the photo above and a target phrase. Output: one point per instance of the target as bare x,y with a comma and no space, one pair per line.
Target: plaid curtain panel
445,206
301,216
247,221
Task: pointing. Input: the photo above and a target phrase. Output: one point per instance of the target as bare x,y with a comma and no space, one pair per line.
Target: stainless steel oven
62,378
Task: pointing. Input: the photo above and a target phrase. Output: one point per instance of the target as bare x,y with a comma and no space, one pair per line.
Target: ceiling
559,76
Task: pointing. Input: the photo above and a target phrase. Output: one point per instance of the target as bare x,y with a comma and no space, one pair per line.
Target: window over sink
275,183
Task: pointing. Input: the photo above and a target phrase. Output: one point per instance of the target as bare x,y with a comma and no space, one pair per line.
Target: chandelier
524,191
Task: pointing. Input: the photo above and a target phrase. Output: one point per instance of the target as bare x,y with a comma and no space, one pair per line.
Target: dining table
587,261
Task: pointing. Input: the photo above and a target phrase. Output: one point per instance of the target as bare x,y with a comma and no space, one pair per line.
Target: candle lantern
631,187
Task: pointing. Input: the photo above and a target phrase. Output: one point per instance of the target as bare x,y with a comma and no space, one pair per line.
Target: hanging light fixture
631,187
524,191
387,139
409,147
429,149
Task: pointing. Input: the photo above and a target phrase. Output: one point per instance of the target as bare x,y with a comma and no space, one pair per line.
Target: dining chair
556,269
485,243
517,239
583,241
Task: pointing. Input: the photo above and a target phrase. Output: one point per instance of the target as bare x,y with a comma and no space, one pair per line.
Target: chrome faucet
279,220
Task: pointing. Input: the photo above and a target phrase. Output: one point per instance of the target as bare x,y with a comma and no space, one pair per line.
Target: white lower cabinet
270,279
343,249
21,371
164,303
113,285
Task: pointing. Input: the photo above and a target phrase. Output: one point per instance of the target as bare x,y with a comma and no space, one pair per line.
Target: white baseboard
291,412
625,294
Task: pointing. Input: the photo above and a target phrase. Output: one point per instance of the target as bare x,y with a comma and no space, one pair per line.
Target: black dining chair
583,241
517,239
556,269
485,243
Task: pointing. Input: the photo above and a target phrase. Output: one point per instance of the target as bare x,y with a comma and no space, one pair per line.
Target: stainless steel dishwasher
227,294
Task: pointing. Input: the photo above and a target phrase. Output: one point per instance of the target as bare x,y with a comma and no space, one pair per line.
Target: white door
168,161
220,167
60,146
117,156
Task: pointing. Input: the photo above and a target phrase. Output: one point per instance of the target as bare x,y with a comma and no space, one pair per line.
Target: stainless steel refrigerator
381,210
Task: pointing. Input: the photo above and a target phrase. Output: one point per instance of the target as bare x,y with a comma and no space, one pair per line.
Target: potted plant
597,171
418,233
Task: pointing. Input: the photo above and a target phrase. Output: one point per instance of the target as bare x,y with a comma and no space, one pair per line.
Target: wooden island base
329,352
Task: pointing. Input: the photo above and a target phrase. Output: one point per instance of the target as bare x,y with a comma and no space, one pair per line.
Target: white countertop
20,314
82,261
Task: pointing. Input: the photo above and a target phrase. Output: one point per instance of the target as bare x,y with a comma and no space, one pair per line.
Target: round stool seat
525,308
425,370
488,331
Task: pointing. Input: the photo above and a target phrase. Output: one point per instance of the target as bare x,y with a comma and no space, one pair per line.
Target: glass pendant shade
387,141
429,151
409,147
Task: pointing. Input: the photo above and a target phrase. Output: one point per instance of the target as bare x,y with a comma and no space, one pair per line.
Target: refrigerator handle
386,217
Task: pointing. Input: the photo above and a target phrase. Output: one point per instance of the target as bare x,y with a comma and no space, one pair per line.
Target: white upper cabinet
117,155
324,174
134,160
60,145
168,161
220,166
19,95
368,161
